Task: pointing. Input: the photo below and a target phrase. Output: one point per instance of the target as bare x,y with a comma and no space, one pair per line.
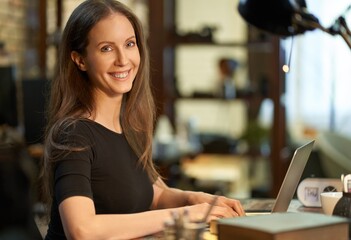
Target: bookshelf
263,61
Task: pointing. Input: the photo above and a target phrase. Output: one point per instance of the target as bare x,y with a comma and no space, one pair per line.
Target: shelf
240,94
198,40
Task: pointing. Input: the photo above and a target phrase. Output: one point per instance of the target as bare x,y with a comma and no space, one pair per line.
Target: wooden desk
296,206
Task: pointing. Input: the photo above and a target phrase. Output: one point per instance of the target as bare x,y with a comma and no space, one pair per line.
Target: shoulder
83,125
83,128
75,130
71,126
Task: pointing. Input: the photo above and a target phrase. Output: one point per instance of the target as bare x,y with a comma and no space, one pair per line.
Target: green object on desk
284,226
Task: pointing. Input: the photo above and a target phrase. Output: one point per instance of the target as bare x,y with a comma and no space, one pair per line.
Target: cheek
95,65
93,72
137,60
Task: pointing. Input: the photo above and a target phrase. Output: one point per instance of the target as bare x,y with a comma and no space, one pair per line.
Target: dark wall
35,93
8,100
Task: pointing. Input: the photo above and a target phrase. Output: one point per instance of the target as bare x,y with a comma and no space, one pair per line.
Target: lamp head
275,16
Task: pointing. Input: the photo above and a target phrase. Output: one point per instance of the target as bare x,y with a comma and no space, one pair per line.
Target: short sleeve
72,172
72,178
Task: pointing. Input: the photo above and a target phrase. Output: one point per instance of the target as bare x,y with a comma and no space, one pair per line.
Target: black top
106,171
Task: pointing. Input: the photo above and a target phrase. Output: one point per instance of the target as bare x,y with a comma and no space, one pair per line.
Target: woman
99,176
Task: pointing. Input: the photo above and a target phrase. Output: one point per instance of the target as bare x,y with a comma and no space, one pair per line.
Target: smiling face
112,56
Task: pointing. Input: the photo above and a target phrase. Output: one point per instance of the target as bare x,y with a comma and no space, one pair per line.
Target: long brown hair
71,95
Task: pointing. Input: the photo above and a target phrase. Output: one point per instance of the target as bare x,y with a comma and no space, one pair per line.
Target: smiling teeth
121,75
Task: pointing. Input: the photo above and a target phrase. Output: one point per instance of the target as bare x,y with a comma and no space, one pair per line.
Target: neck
107,113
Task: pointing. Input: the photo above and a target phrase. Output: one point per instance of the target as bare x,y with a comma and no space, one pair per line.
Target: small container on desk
343,206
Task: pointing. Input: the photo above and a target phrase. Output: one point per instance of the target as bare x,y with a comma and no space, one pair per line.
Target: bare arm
172,197
80,221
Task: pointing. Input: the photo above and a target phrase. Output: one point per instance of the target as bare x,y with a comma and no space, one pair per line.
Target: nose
121,58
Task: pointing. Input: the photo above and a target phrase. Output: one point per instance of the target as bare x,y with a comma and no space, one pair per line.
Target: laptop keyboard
258,205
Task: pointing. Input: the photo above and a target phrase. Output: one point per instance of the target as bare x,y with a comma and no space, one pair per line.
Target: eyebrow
111,42
131,37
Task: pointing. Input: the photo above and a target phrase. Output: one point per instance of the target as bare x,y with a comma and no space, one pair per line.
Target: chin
126,90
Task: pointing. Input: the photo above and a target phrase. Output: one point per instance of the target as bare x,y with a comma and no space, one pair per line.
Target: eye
106,48
131,44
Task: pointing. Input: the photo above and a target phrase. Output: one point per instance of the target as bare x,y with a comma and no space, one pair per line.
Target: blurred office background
229,117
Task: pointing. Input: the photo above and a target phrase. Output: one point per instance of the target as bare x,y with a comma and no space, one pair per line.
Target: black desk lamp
288,18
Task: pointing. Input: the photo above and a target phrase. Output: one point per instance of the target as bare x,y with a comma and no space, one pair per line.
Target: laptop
288,187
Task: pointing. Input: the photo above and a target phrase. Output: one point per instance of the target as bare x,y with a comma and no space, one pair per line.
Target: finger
239,209
236,205
233,204
224,212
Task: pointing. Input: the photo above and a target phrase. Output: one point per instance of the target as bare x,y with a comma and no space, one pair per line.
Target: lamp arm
345,31
306,20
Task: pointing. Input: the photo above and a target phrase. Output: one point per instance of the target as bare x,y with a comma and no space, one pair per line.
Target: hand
232,206
197,212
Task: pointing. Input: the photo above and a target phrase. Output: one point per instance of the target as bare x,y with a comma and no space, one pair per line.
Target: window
319,82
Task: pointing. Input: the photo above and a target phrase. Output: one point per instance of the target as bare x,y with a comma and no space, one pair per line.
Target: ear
78,60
